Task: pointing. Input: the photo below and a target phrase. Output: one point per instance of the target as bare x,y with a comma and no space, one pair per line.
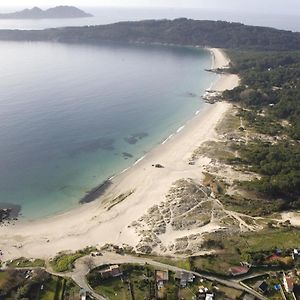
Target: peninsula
58,12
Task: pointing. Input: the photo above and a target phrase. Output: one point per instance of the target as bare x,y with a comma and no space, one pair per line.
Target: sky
255,6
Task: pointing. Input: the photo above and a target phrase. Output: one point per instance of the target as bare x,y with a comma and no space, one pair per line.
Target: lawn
232,293
268,240
49,290
114,289
52,289
186,293
183,263
217,264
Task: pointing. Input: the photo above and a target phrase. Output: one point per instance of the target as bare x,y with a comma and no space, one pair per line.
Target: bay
74,115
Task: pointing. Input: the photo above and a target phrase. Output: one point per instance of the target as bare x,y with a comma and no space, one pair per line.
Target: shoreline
92,223
95,193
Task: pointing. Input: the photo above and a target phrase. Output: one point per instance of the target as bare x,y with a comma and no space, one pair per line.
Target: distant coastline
58,12
215,34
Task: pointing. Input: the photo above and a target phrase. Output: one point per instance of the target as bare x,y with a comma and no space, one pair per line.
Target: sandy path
91,224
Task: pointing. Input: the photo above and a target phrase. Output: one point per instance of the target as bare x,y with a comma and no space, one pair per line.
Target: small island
58,12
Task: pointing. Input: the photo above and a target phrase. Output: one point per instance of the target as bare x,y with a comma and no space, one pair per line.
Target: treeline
278,164
270,85
269,95
180,32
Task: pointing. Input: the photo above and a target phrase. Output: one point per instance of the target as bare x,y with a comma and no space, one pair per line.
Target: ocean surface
106,15
74,115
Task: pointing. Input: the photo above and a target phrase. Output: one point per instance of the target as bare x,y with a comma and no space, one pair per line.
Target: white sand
91,224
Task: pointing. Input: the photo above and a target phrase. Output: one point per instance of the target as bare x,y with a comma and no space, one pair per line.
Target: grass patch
269,240
4,276
50,289
27,263
137,280
229,123
216,264
65,261
223,151
114,289
252,205
183,263
251,247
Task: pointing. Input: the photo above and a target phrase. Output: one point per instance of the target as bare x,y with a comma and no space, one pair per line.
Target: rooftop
162,276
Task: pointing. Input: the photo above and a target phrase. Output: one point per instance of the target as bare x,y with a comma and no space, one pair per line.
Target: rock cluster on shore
5,214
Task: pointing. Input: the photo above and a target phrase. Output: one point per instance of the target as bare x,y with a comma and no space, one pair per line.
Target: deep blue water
71,114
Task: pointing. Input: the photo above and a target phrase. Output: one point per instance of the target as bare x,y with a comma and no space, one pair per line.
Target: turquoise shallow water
73,115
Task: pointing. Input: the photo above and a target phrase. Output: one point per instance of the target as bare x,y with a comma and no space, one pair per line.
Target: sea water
71,116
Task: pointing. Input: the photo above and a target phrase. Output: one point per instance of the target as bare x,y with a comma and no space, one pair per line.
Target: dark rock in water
96,192
127,155
9,211
191,95
134,138
131,140
105,144
92,146
140,135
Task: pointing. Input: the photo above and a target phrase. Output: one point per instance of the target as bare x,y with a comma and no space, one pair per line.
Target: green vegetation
138,282
4,277
26,263
229,123
270,100
183,263
270,84
255,248
20,284
182,31
35,284
53,289
279,166
271,280
63,262
254,205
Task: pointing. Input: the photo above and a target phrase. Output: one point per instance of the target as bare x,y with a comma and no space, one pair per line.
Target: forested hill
180,31
58,12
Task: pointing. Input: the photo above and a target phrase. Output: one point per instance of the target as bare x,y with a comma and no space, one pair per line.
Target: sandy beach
132,193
